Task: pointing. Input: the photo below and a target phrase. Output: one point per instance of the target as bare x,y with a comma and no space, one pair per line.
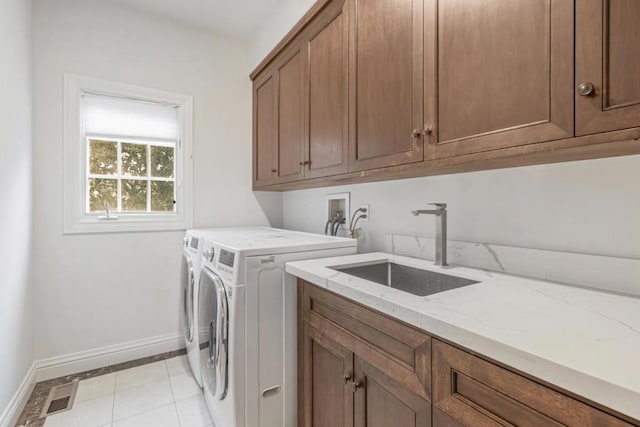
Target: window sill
127,224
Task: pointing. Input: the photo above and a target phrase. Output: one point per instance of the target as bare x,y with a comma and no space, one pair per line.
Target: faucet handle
441,206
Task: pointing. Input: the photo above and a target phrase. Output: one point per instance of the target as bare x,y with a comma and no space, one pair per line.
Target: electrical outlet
367,211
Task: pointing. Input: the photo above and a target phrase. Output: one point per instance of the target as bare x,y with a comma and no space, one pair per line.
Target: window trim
76,219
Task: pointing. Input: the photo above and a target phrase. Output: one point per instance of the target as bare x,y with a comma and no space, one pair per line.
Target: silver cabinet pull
427,129
416,133
270,390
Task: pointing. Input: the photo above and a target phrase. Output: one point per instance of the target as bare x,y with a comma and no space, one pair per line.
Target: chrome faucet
441,230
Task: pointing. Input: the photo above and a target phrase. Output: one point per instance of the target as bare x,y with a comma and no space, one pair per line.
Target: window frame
77,219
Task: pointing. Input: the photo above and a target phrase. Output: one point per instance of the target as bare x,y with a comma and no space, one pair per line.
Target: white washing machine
247,309
189,281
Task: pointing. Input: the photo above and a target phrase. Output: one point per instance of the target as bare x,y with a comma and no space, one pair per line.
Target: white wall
273,29
590,207
99,290
16,324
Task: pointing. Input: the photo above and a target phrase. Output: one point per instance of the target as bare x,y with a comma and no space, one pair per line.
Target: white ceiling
238,19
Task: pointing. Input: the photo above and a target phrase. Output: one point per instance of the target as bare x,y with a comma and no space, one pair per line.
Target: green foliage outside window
142,170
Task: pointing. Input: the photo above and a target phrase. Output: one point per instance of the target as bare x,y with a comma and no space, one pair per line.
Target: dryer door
186,295
214,322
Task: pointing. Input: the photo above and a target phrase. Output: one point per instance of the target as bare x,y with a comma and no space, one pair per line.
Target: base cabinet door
504,74
327,397
607,65
381,401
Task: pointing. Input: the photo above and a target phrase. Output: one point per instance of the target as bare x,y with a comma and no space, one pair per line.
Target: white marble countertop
584,341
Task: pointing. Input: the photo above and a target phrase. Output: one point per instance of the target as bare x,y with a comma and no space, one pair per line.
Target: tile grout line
175,407
113,401
143,412
166,367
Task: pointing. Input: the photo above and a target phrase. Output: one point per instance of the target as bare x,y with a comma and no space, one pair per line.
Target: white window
127,158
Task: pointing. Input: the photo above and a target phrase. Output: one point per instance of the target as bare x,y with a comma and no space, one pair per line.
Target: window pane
103,157
162,196
134,160
162,161
101,191
134,195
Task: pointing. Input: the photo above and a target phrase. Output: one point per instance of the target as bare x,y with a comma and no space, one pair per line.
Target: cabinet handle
346,378
416,133
355,386
306,162
586,89
427,129
274,170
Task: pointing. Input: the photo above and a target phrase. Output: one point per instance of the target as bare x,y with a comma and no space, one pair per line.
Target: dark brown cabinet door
504,74
386,82
290,116
264,130
327,398
380,401
608,59
469,391
326,150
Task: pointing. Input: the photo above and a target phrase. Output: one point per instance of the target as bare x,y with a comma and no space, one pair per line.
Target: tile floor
160,394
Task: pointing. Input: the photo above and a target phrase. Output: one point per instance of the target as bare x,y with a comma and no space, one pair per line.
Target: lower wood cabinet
382,401
475,392
328,399
358,368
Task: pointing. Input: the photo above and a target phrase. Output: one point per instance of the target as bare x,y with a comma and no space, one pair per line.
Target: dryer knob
209,254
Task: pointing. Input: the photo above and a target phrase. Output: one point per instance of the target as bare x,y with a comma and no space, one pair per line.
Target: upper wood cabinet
301,116
278,122
289,75
607,65
504,74
364,90
326,92
264,130
386,78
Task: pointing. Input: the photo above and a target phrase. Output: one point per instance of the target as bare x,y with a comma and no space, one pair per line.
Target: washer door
186,295
214,322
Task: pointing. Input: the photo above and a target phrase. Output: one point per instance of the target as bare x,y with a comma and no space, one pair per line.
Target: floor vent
60,399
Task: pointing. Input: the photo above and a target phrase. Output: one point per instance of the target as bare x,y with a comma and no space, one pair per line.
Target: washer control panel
221,261
226,258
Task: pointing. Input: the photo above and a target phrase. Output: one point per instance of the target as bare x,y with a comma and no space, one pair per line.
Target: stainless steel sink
408,279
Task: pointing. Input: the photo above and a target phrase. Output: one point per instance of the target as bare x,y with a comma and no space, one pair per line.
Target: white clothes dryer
247,309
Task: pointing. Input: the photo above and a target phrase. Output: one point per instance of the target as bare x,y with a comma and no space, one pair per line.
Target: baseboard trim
13,410
74,363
